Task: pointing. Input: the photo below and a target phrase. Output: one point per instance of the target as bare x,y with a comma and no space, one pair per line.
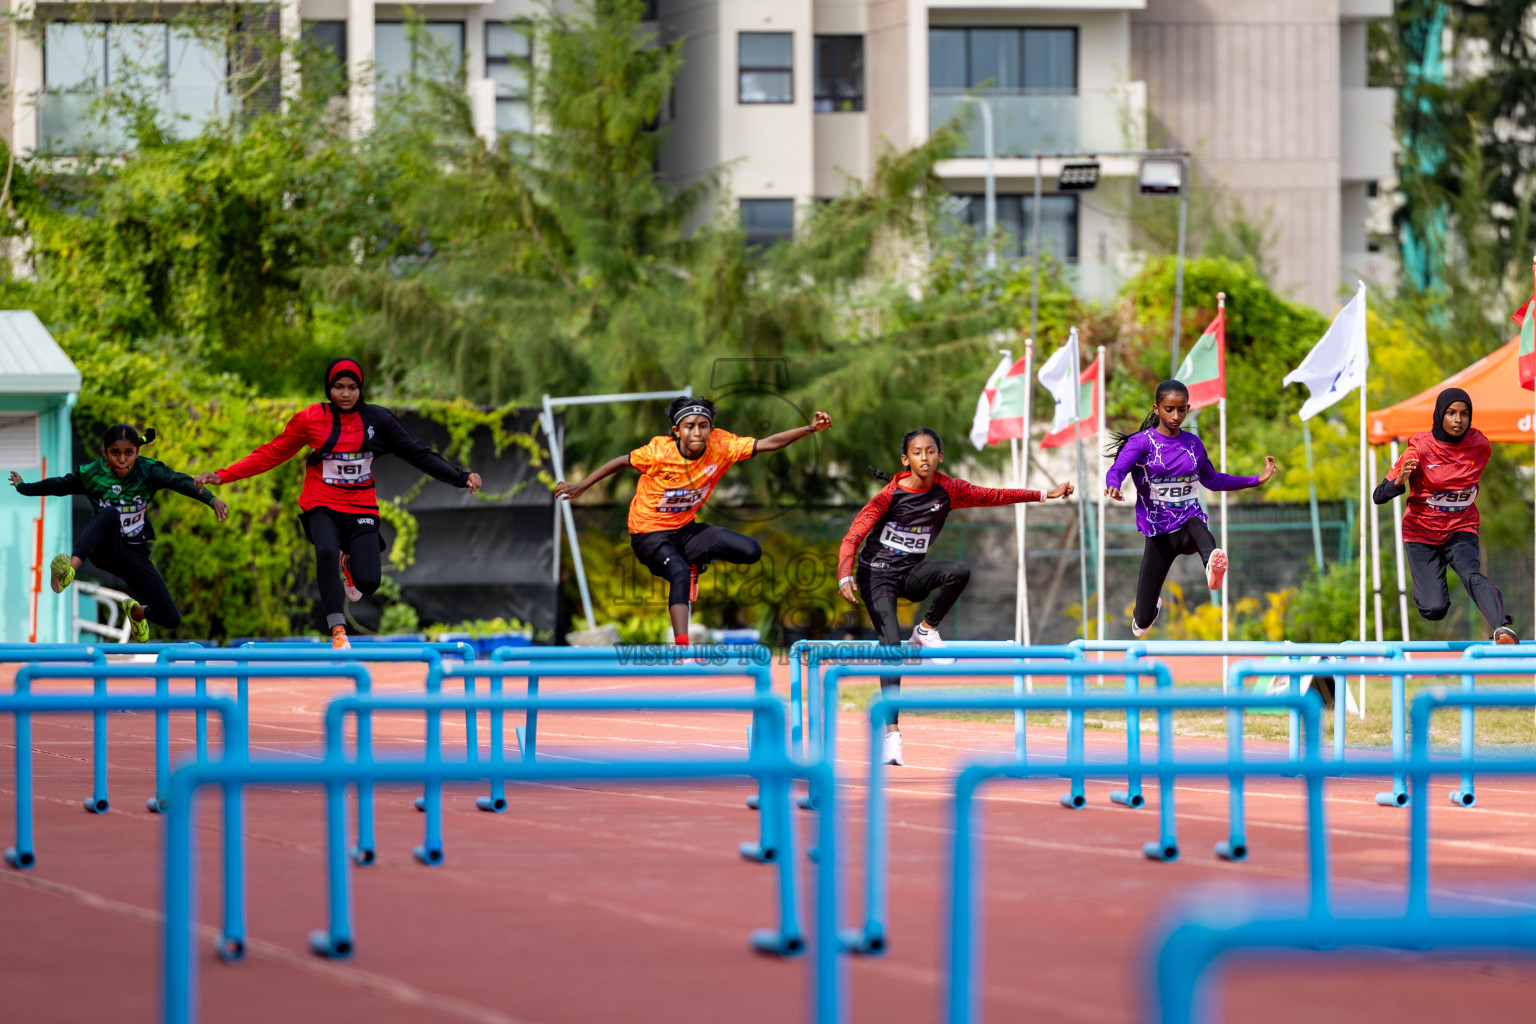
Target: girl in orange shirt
677,473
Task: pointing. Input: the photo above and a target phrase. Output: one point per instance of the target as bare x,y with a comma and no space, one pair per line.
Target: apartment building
795,99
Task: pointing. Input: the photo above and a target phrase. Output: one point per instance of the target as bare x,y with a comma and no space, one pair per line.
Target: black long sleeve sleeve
419,454
1387,490
52,486
165,478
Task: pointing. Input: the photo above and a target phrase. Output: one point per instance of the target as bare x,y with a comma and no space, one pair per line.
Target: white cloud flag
1337,363
1060,377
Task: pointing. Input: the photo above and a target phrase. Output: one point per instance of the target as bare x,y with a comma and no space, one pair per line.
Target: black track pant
101,543
945,580
1157,559
669,553
333,533
1432,598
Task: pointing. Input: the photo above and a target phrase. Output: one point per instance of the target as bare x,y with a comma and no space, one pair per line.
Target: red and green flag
1063,428
1000,409
1204,369
1523,316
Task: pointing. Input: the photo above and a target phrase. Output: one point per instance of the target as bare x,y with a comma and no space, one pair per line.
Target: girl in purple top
1168,465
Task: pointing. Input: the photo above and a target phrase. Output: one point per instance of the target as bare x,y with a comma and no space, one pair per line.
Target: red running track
598,904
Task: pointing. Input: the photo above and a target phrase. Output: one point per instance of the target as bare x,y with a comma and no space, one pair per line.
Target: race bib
1452,501
914,541
132,518
347,469
1181,490
680,499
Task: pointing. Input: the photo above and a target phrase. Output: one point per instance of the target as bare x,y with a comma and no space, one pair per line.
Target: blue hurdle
1199,935
1466,794
784,942
1073,671
38,654
179,978
959,1000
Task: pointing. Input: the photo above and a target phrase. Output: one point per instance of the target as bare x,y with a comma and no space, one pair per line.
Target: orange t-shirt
671,487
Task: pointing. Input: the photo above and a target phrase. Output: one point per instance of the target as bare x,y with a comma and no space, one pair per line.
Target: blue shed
38,386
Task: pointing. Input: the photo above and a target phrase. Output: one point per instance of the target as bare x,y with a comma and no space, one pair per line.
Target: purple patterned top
1165,470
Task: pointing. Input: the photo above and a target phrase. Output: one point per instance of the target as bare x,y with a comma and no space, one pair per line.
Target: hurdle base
757,853
430,856
493,804
321,943
776,943
362,856
1467,799
806,802
752,802
420,803
21,860
96,804
869,941
1392,799
230,950
1124,799
155,805
1073,801
1232,849
1159,851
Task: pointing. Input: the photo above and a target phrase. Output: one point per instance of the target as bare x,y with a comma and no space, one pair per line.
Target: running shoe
138,629
339,641
891,754
353,594
694,572
1505,635
1140,631
930,638
61,573
1216,569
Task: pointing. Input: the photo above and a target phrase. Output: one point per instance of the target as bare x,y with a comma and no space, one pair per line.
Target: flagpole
1082,473
1364,376
1221,412
1317,528
1397,540
1381,634
1021,628
1102,428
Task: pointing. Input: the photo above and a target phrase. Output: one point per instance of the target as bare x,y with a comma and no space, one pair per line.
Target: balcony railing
70,123
1026,122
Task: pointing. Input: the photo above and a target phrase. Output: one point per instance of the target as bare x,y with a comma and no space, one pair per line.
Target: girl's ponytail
880,474
149,437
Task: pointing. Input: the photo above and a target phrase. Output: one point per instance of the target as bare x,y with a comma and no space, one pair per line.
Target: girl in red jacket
884,555
340,509
1440,471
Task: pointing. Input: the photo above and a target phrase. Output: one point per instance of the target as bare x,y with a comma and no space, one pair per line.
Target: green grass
1502,728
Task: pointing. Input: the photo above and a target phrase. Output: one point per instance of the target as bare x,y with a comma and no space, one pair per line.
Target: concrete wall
17,533
1252,86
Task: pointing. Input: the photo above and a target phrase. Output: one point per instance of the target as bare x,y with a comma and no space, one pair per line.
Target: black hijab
1443,402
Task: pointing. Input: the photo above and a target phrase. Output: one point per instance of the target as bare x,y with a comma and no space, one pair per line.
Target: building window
767,220
1003,60
437,51
839,73
767,67
184,76
325,52
509,63
1015,219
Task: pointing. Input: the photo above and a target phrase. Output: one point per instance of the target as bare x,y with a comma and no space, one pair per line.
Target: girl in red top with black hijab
1442,468
340,508
884,555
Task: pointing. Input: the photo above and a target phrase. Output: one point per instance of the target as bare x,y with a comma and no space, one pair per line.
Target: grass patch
1505,729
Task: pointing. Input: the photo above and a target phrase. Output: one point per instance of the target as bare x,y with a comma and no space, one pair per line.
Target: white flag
1060,377
1337,363
983,420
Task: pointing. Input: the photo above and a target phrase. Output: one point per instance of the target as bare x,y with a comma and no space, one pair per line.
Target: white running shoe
930,638
1140,631
891,754
1216,569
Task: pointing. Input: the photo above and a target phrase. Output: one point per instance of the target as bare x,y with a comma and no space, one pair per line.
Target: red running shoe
1216,569
694,572
353,594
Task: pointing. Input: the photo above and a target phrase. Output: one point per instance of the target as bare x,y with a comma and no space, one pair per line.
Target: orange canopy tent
1501,408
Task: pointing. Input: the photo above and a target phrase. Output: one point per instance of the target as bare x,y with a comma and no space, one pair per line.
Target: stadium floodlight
1083,177
1161,176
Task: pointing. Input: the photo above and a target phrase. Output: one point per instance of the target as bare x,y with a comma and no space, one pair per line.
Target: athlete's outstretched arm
964,494
269,456
567,490
53,486
165,478
420,454
1215,480
784,438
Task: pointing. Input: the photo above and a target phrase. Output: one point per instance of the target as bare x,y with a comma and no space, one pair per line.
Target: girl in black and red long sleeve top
884,553
340,509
